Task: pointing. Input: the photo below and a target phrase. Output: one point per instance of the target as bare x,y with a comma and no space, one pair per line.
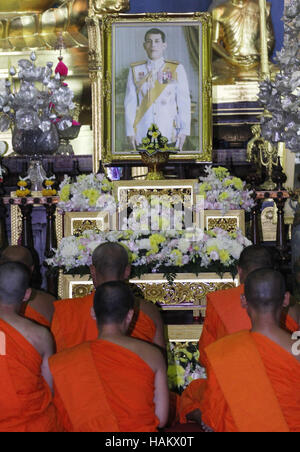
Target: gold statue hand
247,61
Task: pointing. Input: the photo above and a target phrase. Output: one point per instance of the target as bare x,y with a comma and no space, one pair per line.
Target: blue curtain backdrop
184,6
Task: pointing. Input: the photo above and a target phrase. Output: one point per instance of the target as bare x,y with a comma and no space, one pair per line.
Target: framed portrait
152,69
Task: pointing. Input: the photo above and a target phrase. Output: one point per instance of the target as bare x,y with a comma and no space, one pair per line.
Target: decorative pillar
255,223
3,232
281,240
51,242
27,236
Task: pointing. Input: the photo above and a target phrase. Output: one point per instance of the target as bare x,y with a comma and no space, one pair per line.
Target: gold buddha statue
236,41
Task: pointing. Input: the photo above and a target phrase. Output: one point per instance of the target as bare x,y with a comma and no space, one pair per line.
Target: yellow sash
81,390
153,93
246,387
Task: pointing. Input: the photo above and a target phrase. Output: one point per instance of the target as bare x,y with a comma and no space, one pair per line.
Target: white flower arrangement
166,251
224,192
92,192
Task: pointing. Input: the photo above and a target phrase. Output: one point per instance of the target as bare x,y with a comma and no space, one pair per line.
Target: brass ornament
228,224
110,6
82,290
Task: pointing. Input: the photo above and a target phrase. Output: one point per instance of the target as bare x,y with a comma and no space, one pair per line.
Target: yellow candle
263,41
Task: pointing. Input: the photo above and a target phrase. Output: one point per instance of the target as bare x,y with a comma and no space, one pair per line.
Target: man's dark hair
265,290
110,260
155,31
14,281
112,302
254,257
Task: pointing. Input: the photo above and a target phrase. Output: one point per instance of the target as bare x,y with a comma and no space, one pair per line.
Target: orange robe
72,323
34,315
103,387
225,315
253,386
25,397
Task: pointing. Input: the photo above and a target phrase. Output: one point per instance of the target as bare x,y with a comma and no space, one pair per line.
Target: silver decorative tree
281,97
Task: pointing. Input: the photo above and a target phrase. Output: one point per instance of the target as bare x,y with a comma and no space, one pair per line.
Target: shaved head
265,290
16,253
110,261
253,258
112,302
14,281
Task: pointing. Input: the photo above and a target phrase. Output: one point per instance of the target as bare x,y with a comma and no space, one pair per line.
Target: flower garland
224,192
165,252
183,365
92,192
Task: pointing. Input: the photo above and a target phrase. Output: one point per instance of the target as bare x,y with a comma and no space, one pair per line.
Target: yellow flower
106,185
48,192
211,233
155,240
178,255
223,196
212,248
176,375
133,257
204,187
65,193
237,183
49,183
221,172
92,194
22,193
22,183
224,256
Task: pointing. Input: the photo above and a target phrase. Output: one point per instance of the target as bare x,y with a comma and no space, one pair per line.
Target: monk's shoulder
230,293
39,336
43,303
151,310
149,353
70,304
44,296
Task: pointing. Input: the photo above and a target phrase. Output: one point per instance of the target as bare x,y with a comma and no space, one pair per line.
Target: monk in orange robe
224,313
253,380
39,306
115,383
73,321
26,382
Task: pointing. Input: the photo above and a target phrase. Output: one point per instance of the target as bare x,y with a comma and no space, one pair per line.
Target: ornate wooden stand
26,238
280,198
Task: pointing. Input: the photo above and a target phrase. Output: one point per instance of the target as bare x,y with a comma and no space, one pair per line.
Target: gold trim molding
188,292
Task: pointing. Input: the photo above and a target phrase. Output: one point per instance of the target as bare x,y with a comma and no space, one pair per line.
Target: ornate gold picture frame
169,192
118,54
78,222
230,221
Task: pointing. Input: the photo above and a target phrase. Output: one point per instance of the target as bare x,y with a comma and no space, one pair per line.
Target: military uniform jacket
157,93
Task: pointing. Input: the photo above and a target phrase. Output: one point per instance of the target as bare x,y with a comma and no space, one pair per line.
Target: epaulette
139,63
172,62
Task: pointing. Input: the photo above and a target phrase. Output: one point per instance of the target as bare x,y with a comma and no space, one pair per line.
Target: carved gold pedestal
188,292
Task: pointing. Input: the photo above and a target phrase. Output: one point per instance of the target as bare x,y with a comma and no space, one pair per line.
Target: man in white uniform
157,93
